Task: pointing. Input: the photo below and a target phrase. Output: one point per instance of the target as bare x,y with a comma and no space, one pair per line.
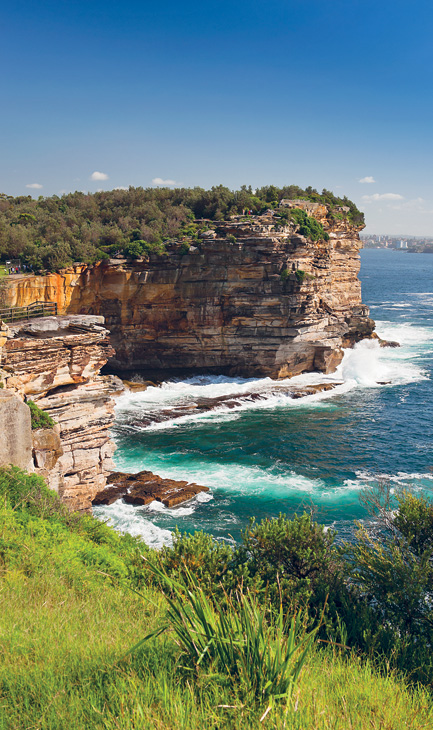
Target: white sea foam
237,479
250,481
366,365
127,518
401,477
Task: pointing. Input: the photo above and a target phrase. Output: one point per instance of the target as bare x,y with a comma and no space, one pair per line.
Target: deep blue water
280,454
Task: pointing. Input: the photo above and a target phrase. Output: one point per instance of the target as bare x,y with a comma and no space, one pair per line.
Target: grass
245,644
72,605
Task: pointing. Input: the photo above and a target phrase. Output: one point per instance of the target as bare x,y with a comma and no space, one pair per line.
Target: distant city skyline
105,95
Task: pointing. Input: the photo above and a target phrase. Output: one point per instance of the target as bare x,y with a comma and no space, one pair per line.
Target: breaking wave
322,448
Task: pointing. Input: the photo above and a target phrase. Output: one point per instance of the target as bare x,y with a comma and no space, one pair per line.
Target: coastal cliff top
49,234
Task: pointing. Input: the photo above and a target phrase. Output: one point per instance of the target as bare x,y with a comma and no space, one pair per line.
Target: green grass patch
76,596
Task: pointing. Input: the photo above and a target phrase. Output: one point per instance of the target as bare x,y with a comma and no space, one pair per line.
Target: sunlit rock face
55,361
253,297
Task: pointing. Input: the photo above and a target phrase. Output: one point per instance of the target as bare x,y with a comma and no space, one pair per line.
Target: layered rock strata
145,487
55,361
252,297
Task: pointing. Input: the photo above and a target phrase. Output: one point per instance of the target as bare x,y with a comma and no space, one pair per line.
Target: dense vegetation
223,633
50,233
40,418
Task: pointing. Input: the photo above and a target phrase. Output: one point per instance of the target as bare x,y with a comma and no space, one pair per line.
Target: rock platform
146,487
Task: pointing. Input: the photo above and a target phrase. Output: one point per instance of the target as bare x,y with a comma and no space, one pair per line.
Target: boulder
146,487
16,431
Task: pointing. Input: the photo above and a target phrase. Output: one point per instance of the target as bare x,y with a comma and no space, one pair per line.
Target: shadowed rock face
145,487
251,298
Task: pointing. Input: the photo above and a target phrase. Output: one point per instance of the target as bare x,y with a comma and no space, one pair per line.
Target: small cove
276,454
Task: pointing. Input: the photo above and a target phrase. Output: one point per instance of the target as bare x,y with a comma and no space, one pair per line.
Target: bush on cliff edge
40,418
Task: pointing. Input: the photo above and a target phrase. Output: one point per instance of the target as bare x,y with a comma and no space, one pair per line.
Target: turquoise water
278,454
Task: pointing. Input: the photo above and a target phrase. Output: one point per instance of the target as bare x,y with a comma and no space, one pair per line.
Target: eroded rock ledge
55,361
145,487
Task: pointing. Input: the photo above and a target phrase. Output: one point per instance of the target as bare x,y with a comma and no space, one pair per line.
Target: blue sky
313,92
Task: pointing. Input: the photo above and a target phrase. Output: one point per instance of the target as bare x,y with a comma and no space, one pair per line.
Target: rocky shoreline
253,297
145,487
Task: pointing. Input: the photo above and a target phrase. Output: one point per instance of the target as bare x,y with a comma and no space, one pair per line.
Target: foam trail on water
128,518
366,365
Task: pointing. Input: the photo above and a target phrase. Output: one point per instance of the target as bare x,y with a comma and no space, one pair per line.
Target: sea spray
279,454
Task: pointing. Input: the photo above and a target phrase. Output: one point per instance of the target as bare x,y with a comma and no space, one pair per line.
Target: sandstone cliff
56,361
252,297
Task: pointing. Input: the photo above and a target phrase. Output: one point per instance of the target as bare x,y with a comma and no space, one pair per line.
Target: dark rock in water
145,487
388,343
233,400
313,389
109,495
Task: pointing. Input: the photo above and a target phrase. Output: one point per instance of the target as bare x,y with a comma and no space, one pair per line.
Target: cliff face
253,297
56,362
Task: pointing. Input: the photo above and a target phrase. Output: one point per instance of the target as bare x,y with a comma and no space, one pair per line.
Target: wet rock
203,405
388,343
313,389
110,495
146,487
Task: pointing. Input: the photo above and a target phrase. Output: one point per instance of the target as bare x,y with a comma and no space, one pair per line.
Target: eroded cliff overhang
252,297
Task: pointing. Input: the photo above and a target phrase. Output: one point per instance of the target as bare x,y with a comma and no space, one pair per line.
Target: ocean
278,454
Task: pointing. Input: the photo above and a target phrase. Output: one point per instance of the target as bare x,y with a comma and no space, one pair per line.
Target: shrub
231,238
308,226
184,248
133,249
284,275
199,555
391,564
260,657
136,248
40,419
294,558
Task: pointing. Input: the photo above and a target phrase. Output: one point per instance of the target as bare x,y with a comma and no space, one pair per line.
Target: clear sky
328,93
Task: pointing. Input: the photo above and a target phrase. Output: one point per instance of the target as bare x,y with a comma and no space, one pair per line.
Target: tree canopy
50,233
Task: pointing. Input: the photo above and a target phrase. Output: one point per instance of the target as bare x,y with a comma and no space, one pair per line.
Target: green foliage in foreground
75,597
40,419
244,645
